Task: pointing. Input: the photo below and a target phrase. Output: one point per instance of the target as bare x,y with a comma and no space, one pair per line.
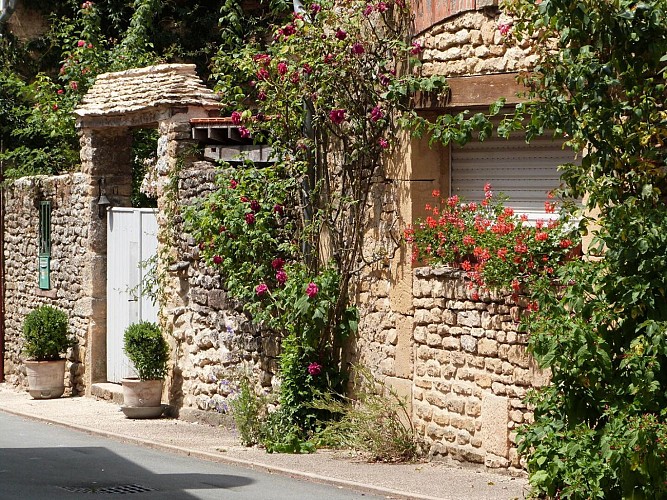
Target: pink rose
376,114
277,264
416,48
236,118
337,116
384,144
81,43
314,369
340,34
282,68
250,218
311,290
358,48
261,289
281,277
504,28
217,259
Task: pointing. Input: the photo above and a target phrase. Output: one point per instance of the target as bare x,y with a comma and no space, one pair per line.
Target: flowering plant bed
497,247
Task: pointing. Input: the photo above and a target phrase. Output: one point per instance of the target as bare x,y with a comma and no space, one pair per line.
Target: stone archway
165,97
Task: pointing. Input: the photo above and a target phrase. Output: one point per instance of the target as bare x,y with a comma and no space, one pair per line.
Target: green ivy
599,427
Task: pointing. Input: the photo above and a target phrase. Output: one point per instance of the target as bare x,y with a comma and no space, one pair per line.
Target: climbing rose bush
496,246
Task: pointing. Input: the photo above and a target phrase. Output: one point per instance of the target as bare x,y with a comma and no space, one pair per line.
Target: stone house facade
461,363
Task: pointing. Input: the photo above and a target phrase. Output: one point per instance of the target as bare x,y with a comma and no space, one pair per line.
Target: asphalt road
41,461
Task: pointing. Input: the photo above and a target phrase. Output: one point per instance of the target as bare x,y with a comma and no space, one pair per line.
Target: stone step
107,392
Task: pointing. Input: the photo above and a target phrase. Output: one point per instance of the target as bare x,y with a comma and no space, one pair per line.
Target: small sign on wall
44,272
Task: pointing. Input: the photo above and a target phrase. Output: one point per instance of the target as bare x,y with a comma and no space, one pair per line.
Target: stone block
478,332
424,352
422,317
420,334
494,419
499,388
432,368
494,462
404,347
469,343
516,416
423,411
517,355
434,340
483,380
473,408
436,399
451,343
462,438
423,383
440,417
458,358
449,317
470,318
434,431
437,288
455,404
487,347
463,422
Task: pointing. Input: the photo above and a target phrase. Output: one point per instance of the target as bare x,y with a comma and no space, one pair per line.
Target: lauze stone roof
147,88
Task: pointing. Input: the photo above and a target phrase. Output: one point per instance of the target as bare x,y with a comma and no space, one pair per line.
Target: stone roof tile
140,89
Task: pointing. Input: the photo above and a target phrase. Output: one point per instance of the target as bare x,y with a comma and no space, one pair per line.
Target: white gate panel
131,243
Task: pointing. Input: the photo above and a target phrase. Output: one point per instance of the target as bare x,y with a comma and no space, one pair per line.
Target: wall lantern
102,202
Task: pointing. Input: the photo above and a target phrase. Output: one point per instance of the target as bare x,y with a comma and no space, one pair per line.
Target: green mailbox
44,272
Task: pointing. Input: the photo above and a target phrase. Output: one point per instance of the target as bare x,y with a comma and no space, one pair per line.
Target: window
526,173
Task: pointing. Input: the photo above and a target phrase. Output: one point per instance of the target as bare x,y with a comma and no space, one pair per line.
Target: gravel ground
426,480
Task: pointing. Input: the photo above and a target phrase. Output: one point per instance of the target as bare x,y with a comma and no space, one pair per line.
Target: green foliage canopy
600,426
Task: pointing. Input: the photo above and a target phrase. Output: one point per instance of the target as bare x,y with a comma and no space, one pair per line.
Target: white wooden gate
131,243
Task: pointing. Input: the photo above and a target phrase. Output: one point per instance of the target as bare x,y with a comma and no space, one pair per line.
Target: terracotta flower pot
142,398
46,379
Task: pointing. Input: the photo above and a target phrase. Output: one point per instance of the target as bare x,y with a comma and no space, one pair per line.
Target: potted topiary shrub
45,339
148,351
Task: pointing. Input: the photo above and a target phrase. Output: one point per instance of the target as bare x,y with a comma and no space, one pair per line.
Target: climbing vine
329,93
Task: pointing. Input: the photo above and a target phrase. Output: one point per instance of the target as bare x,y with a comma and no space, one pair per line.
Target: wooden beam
470,92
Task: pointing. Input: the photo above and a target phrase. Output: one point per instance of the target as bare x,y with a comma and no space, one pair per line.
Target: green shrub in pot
45,334
147,349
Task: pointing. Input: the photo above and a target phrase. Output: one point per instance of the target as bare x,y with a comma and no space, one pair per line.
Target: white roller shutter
524,172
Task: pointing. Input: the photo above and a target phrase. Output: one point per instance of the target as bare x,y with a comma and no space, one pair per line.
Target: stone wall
472,44
472,370
215,341
71,202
